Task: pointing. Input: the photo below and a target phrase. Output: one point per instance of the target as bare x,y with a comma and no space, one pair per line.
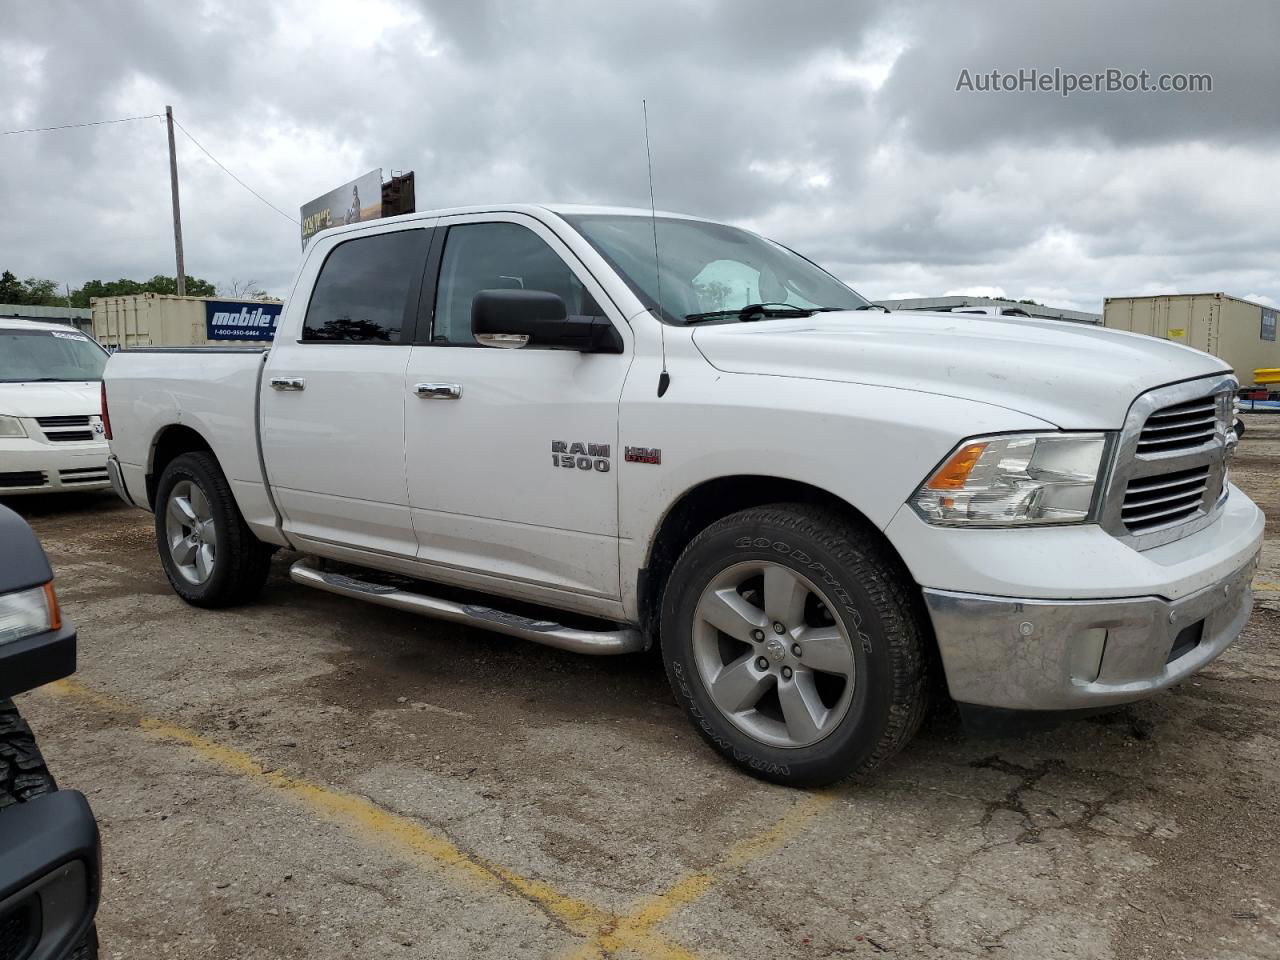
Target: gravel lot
312,777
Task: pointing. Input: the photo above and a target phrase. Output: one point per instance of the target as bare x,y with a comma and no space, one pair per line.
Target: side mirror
514,318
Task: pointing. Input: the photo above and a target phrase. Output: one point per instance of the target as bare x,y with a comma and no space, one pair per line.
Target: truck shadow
39,505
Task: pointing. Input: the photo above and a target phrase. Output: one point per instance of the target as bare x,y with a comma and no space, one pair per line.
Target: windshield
708,268
27,355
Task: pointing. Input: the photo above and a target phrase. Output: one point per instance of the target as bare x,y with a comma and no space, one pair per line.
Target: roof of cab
536,210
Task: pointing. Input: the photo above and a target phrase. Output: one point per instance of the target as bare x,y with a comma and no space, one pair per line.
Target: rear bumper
1028,654
116,477
32,466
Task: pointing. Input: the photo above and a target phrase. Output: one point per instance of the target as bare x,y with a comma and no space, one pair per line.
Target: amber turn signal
953,474
55,615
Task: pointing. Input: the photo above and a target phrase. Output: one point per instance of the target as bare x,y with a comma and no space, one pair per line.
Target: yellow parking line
605,932
396,833
641,921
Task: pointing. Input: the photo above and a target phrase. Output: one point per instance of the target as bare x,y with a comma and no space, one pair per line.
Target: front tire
792,638
210,556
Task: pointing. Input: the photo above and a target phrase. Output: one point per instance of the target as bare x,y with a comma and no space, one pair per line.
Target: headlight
1026,478
27,612
11,427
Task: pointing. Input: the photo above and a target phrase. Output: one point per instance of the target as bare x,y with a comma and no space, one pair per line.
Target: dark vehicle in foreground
50,874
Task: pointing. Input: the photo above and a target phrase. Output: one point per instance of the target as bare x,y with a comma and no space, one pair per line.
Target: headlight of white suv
1025,478
11,427
27,612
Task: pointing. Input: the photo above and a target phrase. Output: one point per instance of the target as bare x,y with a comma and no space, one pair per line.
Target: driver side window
498,256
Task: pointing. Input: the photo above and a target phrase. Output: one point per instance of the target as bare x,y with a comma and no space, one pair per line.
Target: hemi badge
642,455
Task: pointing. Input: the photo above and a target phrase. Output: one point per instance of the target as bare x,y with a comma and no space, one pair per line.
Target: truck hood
64,399
1071,375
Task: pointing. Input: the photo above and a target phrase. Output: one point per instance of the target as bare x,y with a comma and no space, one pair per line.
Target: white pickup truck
811,506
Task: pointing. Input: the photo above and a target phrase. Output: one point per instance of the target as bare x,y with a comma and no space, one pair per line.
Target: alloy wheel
774,660
191,532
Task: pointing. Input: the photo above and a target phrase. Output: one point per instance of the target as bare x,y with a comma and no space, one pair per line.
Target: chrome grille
1169,475
1153,502
1183,426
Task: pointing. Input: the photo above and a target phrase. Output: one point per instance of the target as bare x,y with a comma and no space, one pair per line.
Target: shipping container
164,320
1237,331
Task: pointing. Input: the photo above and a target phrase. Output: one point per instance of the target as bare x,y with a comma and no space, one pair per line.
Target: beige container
154,320
1227,327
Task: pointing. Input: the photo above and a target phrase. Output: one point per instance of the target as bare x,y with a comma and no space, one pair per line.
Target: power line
91,123
186,133
232,175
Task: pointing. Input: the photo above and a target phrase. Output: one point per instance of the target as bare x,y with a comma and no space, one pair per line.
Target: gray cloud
1233,42
832,126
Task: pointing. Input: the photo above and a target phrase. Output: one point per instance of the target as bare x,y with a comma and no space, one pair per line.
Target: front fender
869,446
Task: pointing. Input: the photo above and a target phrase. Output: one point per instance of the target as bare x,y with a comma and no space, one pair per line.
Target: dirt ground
312,777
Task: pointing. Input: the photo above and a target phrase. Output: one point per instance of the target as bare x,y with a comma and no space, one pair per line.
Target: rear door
512,454
333,394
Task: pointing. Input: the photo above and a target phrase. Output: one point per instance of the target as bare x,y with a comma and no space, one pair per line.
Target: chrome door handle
288,383
438,391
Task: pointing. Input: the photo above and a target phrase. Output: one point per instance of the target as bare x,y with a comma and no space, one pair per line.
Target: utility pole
177,209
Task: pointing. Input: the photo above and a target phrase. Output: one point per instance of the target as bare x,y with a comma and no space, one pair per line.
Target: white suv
51,435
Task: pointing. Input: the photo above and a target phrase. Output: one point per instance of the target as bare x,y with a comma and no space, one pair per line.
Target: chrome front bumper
1064,655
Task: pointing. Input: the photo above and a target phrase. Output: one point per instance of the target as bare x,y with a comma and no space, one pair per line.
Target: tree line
36,292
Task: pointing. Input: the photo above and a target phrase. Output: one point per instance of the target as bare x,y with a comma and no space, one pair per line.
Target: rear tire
209,554
24,776
793,639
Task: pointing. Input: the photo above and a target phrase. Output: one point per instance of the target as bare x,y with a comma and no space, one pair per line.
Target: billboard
237,320
361,199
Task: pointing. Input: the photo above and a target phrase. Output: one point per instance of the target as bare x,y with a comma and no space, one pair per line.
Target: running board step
596,642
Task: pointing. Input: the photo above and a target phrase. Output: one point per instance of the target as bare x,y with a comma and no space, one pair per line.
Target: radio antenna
664,378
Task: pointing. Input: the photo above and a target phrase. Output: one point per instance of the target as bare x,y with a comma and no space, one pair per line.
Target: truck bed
212,390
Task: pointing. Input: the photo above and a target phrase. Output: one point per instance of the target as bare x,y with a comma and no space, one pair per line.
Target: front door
512,455
333,393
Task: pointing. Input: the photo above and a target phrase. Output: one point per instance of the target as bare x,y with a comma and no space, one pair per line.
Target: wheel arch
709,501
169,444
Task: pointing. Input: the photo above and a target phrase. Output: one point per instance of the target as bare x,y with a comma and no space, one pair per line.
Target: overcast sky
833,127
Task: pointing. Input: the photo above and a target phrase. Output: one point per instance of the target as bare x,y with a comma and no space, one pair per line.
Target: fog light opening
1188,639
1086,654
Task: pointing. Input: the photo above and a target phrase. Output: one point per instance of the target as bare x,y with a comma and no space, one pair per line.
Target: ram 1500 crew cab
51,437
509,416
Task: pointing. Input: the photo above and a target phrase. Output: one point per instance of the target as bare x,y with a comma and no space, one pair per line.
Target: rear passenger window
498,256
360,294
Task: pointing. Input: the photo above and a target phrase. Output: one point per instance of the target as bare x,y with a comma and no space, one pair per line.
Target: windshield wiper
873,306
752,310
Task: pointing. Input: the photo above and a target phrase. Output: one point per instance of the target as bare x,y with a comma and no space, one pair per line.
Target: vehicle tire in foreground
209,555
24,776
793,639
